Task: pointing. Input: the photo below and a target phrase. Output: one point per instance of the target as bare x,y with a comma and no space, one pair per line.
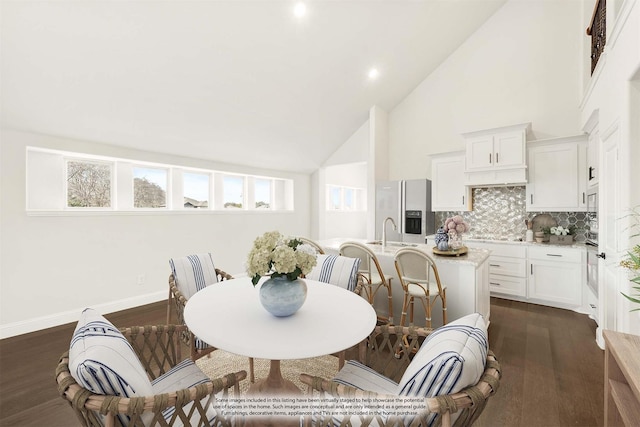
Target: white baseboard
44,322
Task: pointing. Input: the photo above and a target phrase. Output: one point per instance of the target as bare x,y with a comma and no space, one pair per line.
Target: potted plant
562,235
632,260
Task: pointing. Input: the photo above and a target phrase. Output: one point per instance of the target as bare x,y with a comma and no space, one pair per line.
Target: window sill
144,212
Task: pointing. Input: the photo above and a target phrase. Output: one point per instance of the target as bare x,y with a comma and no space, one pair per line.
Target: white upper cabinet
557,174
448,190
496,156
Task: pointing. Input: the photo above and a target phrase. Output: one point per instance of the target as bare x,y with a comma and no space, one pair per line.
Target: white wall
614,92
353,150
346,167
53,266
352,224
379,155
523,65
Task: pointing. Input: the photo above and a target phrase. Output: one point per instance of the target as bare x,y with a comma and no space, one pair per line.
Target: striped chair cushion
355,374
193,273
184,375
451,358
102,360
337,270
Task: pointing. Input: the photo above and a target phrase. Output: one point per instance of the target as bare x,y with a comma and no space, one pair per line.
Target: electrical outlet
140,280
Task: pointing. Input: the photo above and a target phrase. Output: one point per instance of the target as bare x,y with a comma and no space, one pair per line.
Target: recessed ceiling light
373,74
300,9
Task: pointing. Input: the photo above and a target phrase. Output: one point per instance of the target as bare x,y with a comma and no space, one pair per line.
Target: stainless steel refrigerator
408,202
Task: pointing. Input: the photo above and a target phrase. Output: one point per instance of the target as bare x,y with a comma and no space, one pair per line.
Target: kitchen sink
396,244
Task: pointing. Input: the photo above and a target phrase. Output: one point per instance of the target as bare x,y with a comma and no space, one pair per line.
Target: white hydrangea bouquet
562,231
276,255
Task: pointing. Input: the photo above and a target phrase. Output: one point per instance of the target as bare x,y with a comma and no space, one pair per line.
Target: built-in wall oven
592,217
592,240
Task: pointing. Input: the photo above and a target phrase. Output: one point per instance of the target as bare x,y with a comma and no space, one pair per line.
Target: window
263,193
88,184
58,181
233,197
195,190
345,198
335,198
348,199
149,187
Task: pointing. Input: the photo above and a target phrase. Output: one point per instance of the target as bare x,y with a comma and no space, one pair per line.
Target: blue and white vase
283,297
442,236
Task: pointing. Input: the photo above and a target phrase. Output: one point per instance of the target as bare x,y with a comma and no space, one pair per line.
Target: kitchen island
466,278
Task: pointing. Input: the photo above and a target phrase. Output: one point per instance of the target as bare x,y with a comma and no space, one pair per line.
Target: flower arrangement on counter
276,255
559,234
449,236
562,231
456,225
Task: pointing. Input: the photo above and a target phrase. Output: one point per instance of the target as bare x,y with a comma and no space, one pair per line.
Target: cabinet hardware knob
592,305
602,255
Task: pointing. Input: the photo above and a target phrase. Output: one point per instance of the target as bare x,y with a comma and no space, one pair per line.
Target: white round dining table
228,315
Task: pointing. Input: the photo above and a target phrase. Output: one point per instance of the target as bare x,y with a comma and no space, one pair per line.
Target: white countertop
577,245
474,256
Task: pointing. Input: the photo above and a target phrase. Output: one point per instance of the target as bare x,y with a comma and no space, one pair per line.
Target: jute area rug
221,363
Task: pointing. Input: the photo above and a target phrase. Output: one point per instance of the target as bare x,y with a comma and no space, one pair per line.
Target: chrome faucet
384,229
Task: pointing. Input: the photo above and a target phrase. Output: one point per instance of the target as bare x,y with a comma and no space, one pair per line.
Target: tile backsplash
500,213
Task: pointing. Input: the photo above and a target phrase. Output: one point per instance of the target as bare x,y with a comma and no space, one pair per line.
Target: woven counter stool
371,272
419,279
312,243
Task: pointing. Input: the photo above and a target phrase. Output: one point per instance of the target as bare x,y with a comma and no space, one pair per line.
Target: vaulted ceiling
243,82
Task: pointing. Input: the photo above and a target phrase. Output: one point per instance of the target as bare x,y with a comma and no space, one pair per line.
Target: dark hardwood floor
552,369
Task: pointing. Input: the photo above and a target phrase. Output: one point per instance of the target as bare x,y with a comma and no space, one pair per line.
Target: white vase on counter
455,241
529,235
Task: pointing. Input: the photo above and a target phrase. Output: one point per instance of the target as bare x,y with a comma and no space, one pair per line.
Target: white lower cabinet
556,276
542,274
507,269
591,304
505,285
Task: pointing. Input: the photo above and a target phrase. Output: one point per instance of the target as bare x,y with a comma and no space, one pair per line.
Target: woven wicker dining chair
198,272
339,271
371,272
158,349
380,356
